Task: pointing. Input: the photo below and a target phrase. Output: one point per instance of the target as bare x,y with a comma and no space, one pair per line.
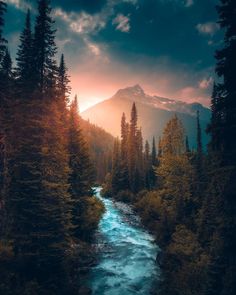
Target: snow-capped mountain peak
136,93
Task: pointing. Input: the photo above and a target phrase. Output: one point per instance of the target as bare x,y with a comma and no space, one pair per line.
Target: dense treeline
48,212
190,206
132,170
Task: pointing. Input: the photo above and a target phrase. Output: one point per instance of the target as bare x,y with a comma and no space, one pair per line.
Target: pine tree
175,171
44,49
63,81
147,164
154,163
124,137
199,153
24,70
124,153
7,83
154,152
159,149
2,40
63,92
38,202
223,100
116,168
173,138
139,173
81,172
187,148
223,147
132,148
199,135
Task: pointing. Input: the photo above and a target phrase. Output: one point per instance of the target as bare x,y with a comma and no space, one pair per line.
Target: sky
166,46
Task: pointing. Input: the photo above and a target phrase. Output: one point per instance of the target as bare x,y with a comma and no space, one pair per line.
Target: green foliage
92,214
2,40
149,206
46,176
44,50
130,169
172,141
187,264
125,196
100,147
24,70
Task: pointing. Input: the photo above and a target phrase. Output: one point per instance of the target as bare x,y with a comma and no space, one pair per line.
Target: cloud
205,83
20,4
185,3
131,1
81,23
94,48
122,23
189,3
209,28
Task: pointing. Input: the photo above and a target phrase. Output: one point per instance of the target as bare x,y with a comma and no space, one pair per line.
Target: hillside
154,112
101,145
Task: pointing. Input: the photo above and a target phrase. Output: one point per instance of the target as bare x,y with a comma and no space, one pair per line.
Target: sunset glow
106,49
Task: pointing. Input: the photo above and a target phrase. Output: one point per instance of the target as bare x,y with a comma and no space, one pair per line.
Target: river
126,253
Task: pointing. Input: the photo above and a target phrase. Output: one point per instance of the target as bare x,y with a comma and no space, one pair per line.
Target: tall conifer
81,171
45,68
24,70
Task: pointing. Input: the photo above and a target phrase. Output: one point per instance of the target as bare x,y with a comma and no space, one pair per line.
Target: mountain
154,112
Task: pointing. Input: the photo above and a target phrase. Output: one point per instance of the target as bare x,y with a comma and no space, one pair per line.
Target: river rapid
126,253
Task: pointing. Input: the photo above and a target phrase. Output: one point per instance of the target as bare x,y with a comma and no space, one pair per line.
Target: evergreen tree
154,163
37,199
81,172
199,135
7,67
44,50
124,137
63,92
116,168
124,153
223,150
159,148
223,101
154,152
24,70
187,148
173,138
63,81
6,91
139,173
147,151
46,169
132,145
2,40
147,164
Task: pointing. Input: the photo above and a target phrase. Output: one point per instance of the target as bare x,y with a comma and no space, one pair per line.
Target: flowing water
126,253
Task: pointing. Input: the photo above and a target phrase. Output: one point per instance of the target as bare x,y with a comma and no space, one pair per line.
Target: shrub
125,196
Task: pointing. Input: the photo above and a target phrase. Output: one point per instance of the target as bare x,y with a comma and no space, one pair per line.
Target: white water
126,251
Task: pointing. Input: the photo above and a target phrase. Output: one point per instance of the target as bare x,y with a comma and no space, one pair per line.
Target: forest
51,160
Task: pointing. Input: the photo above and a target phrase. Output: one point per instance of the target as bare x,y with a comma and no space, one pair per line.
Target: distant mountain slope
101,145
154,112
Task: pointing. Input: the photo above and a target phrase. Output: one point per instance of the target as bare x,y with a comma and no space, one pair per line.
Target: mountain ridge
169,104
154,112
